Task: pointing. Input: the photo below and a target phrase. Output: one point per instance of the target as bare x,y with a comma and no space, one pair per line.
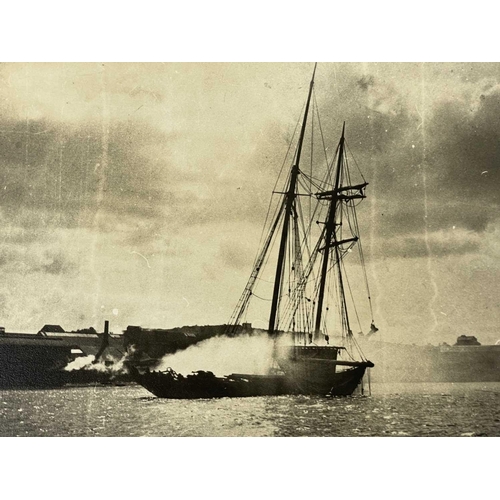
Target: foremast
289,207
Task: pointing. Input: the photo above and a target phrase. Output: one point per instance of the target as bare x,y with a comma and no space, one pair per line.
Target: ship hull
205,385
324,376
309,377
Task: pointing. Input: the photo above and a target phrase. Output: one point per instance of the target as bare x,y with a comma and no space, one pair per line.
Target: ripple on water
434,410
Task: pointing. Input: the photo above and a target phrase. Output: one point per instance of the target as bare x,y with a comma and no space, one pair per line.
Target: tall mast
290,197
330,232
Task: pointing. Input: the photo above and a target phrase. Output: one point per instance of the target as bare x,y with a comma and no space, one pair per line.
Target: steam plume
250,354
108,364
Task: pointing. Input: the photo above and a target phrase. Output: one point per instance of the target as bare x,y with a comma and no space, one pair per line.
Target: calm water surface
391,410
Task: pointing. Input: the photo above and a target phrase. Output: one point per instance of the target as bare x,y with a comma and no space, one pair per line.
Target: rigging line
290,250
262,279
306,178
307,231
352,218
328,181
350,183
310,177
320,204
304,314
300,270
362,259
355,162
341,302
337,302
290,197
276,210
242,304
292,305
307,189
281,294
345,318
312,149
278,177
358,348
297,264
321,131
365,275
296,297
290,146
351,336
332,290
261,298
295,303
352,296
328,300
300,218
316,184
293,263
299,291
319,182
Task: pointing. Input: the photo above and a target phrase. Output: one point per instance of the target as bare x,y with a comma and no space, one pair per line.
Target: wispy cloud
102,164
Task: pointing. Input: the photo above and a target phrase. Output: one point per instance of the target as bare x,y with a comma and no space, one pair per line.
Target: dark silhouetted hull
323,381
201,385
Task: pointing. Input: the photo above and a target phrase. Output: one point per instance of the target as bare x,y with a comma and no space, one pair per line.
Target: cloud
432,245
465,147
235,255
55,176
430,150
416,217
177,162
55,263
34,259
365,82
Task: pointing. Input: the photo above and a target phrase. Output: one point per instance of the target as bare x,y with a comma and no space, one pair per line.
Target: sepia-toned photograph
250,249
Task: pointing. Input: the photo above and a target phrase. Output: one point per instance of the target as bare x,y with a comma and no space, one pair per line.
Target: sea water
391,410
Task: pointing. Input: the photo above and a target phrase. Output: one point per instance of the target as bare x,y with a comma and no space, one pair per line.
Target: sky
137,192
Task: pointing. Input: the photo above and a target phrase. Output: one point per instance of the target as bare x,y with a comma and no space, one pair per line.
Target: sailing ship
309,273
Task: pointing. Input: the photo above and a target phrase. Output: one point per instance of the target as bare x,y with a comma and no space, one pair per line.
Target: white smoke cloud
250,354
107,364
79,363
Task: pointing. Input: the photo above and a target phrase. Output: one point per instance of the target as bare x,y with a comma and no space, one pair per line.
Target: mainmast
290,197
338,194
330,231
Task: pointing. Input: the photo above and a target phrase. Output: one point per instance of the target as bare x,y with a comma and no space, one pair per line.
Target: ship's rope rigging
324,147
291,142
261,298
354,160
297,300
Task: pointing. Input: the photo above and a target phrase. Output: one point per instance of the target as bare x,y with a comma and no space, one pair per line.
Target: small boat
307,277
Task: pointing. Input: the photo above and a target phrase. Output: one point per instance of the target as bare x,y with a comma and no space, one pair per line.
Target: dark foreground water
391,410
